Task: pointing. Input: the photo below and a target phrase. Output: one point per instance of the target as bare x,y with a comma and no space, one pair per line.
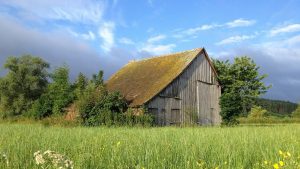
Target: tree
80,84
57,96
60,89
296,113
24,83
241,85
98,78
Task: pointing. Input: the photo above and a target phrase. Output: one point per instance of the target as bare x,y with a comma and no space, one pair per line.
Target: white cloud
106,32
285,29
158,49
88,11
284,49
86,36
156,38
17,39
192,31
196,30
89,36
235,39
240,23
126,41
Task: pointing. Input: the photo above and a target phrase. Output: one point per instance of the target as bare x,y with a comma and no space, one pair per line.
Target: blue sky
89,35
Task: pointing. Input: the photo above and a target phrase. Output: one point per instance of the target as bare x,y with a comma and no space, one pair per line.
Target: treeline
277,106
30,90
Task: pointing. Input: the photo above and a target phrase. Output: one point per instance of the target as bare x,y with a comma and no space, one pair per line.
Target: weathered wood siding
191,97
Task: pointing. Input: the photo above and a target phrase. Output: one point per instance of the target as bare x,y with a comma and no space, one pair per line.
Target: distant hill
277,106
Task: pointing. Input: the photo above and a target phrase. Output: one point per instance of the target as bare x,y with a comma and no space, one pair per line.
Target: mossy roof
139,81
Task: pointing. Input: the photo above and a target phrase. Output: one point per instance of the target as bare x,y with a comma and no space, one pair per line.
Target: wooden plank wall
182,94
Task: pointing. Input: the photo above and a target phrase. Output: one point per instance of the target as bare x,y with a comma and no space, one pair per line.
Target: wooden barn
176,88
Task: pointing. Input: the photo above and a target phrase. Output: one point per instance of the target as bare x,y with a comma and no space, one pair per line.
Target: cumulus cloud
285,29
106,32
235,39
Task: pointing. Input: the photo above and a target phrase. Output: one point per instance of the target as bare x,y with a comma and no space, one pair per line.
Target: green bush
57,96
41,108
296,113
97,107
257,112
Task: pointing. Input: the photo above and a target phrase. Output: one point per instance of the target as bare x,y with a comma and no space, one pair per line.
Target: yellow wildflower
281,163
280,152
118,143
288,154
217,167
200,163
276,166
225,162
266,162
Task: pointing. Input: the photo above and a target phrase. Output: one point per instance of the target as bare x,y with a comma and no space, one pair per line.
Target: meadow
269,146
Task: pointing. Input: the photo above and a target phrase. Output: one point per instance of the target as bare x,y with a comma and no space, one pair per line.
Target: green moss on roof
139,81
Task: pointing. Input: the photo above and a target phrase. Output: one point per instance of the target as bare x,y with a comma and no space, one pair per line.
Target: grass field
169,147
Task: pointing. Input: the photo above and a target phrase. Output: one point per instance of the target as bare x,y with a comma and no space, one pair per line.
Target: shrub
97,106
41,108
257,112
57,96
296,113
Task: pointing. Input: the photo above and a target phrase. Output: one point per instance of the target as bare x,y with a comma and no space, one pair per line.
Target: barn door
207,103
172,108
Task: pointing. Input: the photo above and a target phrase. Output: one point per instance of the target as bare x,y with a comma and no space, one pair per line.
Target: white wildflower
48,152
54,159
69,164
4,159
39,159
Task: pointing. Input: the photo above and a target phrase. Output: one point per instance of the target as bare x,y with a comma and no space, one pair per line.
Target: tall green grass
169,147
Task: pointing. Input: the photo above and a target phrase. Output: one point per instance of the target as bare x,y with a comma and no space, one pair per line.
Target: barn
176,88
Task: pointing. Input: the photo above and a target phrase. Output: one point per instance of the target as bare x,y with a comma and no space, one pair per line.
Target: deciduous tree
24,83
241,85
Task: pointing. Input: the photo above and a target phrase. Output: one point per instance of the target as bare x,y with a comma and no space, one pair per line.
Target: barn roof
139,81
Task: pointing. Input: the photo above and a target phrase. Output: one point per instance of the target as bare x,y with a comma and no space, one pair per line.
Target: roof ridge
164,55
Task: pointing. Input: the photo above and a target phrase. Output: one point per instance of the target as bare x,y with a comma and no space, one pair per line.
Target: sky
93,35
